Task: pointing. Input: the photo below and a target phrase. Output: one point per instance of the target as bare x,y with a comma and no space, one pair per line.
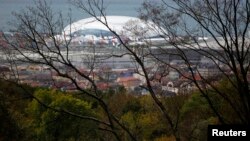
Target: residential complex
100,53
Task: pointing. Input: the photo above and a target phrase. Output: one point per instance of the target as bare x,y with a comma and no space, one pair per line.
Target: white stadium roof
123,25
90,31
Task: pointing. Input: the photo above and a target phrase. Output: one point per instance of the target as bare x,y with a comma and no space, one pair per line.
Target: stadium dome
90,30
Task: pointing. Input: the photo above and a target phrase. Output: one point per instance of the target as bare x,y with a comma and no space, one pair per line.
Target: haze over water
114,7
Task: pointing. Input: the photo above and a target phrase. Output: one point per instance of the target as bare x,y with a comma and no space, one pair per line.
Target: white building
91,31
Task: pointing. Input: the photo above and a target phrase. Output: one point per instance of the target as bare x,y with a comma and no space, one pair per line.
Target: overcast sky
115,7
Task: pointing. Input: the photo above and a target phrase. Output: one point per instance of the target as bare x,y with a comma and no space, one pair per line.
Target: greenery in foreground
25,118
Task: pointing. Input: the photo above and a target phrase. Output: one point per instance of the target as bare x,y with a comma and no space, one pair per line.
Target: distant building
131,30
5,72
128,82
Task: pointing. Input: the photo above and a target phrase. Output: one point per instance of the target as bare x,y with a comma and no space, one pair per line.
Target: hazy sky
115,7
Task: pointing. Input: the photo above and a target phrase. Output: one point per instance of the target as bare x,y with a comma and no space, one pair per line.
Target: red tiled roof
102,86
196,77
126,79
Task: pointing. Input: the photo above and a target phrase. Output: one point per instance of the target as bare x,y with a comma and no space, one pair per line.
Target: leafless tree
96,9
216,30
227,49
36,42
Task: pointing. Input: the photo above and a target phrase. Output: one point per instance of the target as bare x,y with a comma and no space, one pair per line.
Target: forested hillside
47,114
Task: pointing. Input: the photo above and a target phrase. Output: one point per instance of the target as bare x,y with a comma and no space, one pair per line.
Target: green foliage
8,125
13,100
35,120
196,115
197,104
143,118
53,125
133,106
231,93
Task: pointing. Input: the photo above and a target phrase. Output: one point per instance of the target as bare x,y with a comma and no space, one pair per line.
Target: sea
113,7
